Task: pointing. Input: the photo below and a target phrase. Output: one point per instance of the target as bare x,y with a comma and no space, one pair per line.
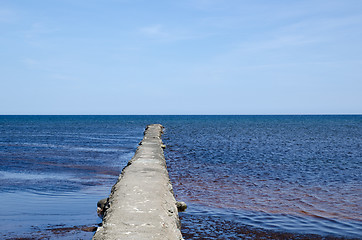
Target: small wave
279,222
32,176
72,147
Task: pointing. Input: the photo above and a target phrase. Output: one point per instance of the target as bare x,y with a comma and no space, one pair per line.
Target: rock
102,206
181,206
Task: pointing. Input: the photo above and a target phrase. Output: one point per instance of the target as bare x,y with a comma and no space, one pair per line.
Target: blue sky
180,57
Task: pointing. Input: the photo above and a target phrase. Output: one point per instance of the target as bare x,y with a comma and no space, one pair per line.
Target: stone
181,206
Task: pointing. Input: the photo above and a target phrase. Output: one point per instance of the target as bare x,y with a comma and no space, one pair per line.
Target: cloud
318,26
62,77
39,29
30,62
7,15
169,34
280,42
209,5
295,36
153,30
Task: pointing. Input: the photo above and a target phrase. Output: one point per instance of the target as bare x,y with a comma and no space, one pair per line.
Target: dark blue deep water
243,177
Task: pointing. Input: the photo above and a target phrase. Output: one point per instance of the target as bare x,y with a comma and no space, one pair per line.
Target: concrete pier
141,203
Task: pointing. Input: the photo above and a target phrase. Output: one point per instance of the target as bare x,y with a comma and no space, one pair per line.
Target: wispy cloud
37,29
62,77
280,42
153,30
318,26
207,5
7,15
307,33
31,63
159,32
169,34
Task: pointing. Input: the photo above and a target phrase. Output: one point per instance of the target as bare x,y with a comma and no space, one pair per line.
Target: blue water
256,177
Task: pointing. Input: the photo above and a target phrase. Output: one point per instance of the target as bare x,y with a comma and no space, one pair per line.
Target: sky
180,57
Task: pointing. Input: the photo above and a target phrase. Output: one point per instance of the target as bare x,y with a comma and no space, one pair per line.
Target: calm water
256,177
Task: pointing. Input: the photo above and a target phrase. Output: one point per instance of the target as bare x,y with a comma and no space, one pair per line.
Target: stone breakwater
141,204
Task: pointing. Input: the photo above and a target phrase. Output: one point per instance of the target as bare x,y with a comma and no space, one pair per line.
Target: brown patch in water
277,197
64,230
52,230
99,170
195,228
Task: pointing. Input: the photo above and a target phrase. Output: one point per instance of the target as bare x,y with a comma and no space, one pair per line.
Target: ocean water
243,177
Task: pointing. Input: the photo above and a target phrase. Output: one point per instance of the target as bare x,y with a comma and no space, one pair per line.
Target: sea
242,177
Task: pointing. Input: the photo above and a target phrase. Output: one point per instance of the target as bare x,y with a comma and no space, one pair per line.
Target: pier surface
141,203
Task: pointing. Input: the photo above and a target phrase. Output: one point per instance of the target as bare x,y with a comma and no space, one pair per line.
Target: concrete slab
141,203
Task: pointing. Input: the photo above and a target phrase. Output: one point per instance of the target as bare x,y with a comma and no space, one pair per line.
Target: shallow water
256,177
54,169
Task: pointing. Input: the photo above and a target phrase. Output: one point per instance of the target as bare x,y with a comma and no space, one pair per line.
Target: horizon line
257,114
